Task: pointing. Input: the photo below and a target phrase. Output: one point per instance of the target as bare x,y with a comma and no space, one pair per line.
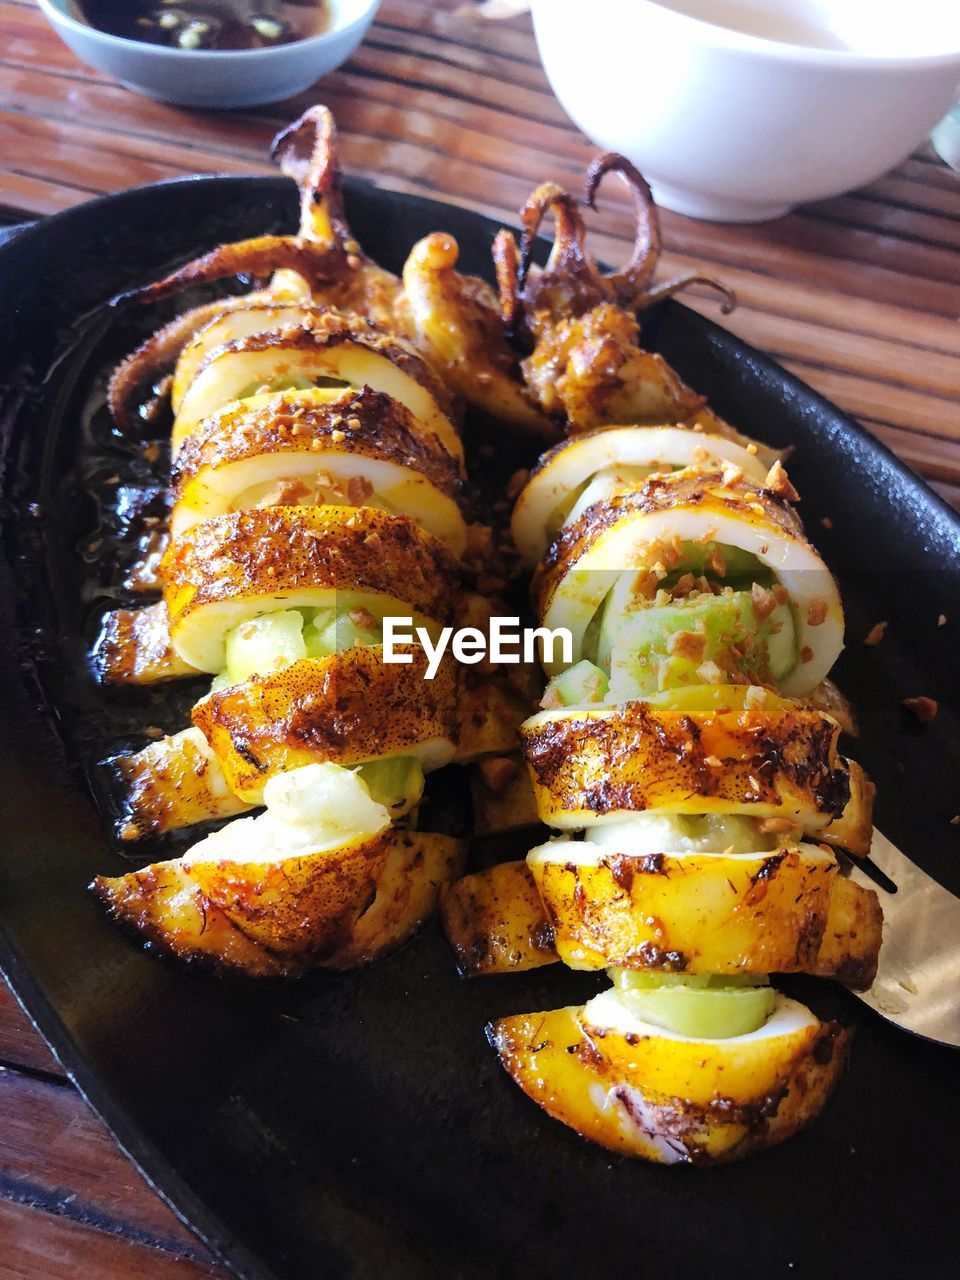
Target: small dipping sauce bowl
215,77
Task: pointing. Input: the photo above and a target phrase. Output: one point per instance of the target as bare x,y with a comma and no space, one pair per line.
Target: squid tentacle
569,265
631,284
259,257
318,176
630,281
728,298
157,356
506,263
323,247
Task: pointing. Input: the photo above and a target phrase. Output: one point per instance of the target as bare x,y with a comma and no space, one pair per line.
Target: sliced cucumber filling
273,641
333,630
699,639
265,644
653,832
288,382
718,562
584,682
702,1006
396,783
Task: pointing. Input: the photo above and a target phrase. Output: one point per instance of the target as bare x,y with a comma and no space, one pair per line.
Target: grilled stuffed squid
686,757
317,488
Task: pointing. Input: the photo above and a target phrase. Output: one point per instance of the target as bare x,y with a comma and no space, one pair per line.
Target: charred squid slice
328,347
645,531
358,448
495,921
349,709
172,783
134,647
561,486
782,909
711,749
522,915
321,878
640,1090
233,568
263,315
179,781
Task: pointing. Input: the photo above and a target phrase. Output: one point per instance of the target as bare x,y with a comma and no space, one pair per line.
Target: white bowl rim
59,17
764,46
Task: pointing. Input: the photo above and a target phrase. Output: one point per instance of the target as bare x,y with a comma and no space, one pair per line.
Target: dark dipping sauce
208,24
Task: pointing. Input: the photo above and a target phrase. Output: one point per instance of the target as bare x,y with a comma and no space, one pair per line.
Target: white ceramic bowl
208,78
740,127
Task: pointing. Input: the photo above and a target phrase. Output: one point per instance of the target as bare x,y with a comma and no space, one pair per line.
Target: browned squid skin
278,551
348,708
170,784
278,919
510,918
495,922
643,1099
639,756
166,909
324,328
382,429
134,647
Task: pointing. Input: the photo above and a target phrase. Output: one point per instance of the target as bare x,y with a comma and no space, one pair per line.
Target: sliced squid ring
725,913
333,909
573,463
173,783
347,709
733,749
333,346
178,781
627,530
134,647
231,568
291,443
257,315
642,1091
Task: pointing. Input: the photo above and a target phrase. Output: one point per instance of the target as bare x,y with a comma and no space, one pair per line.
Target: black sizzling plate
359,1125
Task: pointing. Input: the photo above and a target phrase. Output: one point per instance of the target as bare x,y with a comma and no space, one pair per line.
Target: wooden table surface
859,295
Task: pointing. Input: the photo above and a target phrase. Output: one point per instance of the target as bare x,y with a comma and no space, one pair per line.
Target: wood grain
860,296
20,1044
66,1190
38,1245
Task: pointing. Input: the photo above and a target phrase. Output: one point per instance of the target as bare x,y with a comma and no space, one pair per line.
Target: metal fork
918,982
